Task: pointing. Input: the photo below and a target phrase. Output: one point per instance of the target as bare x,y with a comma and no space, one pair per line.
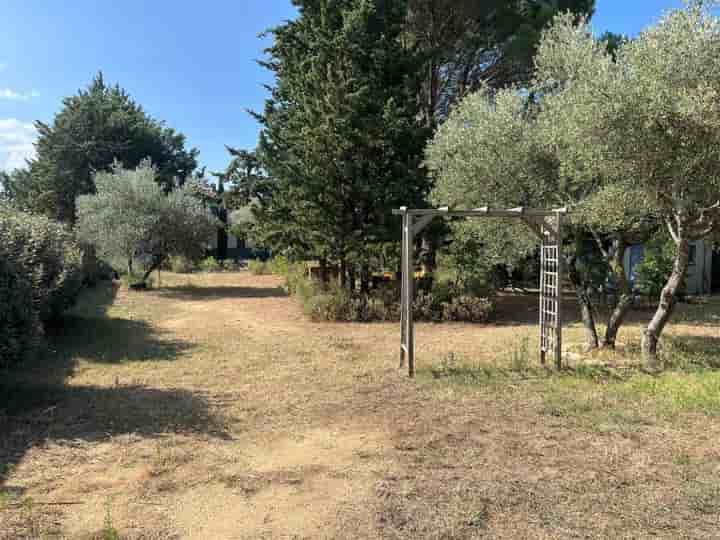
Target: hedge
40,277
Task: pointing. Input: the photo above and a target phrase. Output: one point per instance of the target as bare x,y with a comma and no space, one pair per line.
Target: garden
188,353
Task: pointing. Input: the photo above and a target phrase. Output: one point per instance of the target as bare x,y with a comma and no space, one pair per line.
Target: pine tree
341,138
95,128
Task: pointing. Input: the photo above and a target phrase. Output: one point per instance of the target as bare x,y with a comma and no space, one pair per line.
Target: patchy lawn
211,409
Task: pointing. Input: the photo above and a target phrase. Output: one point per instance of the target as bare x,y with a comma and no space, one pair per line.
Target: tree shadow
113,340
36,404
523,308
219,293
36,413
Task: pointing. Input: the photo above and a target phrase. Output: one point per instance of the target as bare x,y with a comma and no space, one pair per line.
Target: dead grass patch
212,408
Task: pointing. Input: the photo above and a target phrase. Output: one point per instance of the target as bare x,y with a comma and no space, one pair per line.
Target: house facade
702,277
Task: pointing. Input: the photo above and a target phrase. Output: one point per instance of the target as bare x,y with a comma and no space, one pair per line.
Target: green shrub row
442,302
40,277
183,265
383,304
260,268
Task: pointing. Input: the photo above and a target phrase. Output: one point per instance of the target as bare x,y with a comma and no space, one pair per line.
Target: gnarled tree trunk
625,299
323,272
586,312
343,272
668,300
156,262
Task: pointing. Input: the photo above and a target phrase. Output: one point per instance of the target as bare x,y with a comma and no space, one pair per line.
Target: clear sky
191,64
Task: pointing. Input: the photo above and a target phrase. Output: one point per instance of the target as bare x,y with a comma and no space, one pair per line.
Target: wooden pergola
546,224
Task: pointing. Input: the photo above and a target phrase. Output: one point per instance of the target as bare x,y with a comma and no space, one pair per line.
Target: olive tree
650,118
132,216
521,147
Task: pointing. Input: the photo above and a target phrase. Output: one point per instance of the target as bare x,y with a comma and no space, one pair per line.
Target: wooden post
543,277
403,300
558,291
409,271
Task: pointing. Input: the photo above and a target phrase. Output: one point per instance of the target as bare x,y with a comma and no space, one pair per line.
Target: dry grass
212,409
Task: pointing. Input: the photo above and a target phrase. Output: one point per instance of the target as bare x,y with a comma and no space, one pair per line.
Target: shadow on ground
220,293
37,406
522,308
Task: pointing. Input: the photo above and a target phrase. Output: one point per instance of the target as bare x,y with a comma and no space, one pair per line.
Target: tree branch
599,243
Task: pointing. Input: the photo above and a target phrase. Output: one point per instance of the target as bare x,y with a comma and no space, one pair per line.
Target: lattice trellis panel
550,296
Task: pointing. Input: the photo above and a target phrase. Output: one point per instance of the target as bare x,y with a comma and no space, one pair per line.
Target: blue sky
191,64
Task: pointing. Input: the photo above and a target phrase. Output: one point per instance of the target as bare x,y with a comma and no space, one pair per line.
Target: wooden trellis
546,224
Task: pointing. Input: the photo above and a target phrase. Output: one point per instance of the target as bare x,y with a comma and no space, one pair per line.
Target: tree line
378,104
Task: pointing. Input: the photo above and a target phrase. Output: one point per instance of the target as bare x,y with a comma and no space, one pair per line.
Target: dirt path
212,409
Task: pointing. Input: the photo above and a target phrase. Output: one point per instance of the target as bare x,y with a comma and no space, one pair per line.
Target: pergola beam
482,212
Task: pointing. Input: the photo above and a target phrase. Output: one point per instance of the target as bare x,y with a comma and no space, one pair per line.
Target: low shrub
280,265
95,269
181,264
656,266
468,309
135,281
210,264
331,303
259,268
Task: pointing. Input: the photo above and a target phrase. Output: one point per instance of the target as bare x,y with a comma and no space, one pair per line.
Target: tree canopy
465,44
95,128
625,133
341,139
130,216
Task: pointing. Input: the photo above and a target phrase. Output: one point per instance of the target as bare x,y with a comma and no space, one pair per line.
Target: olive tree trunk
668,300
585,302
625,299
156,262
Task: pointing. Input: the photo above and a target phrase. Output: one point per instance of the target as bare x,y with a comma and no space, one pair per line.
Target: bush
280,265
42,275
655,269
95,269
331,303
134,281
210,264
181,264
468,309
46,252
259,268
19,324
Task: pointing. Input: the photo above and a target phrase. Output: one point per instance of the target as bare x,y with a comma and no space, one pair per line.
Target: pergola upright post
558,283
403,276
409,273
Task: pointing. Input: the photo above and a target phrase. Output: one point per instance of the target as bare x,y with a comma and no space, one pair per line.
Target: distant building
703,275
225,245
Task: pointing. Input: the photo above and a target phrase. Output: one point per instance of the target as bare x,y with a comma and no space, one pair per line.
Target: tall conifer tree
341,135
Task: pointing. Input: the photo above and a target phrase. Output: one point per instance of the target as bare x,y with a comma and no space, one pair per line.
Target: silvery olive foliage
625,138
488,153
650,119
131,216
